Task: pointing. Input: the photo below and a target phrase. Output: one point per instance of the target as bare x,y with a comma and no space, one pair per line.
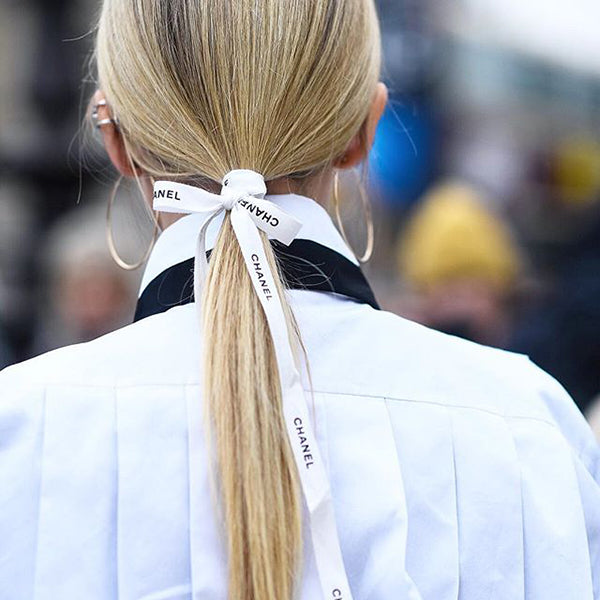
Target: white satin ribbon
243,194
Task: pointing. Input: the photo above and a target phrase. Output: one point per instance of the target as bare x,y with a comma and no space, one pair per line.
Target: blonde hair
201,87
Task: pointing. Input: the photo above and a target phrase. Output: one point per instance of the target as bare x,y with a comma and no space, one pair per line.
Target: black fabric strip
306,265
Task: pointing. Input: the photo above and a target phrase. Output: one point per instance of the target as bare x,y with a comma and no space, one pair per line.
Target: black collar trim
306,265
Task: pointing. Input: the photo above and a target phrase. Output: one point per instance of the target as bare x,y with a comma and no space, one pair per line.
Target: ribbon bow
243,193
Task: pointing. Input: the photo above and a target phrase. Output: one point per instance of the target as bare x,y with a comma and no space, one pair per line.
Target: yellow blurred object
577,171
453,236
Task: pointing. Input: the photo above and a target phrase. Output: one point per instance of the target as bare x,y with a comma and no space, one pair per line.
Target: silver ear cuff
98,123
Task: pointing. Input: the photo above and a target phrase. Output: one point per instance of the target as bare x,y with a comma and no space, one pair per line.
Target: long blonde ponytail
202,87
259,482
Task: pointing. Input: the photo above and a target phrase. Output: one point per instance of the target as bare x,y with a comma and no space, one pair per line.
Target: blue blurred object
401,165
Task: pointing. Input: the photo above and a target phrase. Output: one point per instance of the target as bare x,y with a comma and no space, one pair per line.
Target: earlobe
353,154
117,152
361,144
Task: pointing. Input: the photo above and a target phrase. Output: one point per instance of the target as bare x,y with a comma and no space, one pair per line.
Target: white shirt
457,471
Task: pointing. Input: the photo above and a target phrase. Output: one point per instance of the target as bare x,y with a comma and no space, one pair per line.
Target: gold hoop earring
112,248
366,256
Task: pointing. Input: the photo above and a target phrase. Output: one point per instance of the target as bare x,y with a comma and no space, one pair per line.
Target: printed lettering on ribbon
175,197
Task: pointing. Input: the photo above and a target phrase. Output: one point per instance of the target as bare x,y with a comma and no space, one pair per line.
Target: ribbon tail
200,262
274,221
311,468
255,257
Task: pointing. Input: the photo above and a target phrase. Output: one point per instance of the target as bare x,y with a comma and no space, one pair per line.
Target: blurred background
484,179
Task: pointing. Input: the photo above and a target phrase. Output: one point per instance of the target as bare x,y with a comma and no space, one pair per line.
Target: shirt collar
177,243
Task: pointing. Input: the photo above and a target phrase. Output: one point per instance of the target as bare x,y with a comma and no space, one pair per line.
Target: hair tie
240,184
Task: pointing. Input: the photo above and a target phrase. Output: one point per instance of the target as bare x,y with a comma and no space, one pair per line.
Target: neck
318,186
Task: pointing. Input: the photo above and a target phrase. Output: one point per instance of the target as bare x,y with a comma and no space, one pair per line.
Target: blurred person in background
88,294
462,264
560,327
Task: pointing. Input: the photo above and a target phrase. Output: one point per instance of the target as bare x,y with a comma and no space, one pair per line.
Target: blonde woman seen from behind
263,431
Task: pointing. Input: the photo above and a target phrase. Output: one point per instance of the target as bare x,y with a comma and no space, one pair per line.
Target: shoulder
383,355
406,360
148,352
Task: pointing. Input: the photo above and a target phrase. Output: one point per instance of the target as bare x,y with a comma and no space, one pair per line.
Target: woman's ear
361,144
114,143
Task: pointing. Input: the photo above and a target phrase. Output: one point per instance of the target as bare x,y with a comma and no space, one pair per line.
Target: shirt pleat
368,491
153,494
116,537
590,504
520,574
424,442
456,507
208,565
21,443
555,542
489,507
76,514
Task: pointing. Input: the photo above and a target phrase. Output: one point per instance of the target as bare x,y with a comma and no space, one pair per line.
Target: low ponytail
259,488
280,87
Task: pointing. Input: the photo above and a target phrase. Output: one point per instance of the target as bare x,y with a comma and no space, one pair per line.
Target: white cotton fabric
457,471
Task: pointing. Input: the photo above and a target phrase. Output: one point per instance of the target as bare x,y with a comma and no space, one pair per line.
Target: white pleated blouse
458,472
